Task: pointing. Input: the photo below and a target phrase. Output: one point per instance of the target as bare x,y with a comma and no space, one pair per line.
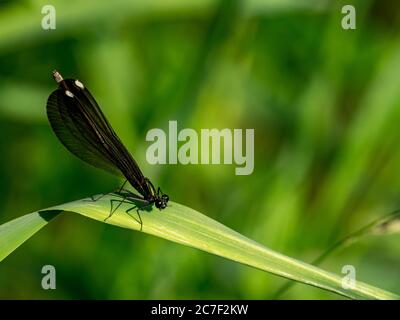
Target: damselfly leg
138,214
93,199
131,198
138,209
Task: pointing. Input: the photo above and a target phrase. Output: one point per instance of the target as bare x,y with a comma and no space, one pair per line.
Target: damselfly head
161,202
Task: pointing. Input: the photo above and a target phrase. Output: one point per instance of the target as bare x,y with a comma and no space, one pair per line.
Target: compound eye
165,197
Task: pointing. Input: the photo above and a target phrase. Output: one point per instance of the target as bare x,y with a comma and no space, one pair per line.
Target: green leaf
17,231
386,225
186,226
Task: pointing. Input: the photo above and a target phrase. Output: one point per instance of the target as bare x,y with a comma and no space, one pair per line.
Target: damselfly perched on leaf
81,126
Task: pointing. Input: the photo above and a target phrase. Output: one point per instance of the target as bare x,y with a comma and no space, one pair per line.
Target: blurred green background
324,103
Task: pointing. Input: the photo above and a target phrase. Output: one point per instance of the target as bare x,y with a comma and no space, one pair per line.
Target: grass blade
17,231
188,227
389,224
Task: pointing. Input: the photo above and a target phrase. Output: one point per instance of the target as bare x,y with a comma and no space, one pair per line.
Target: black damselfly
81,126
